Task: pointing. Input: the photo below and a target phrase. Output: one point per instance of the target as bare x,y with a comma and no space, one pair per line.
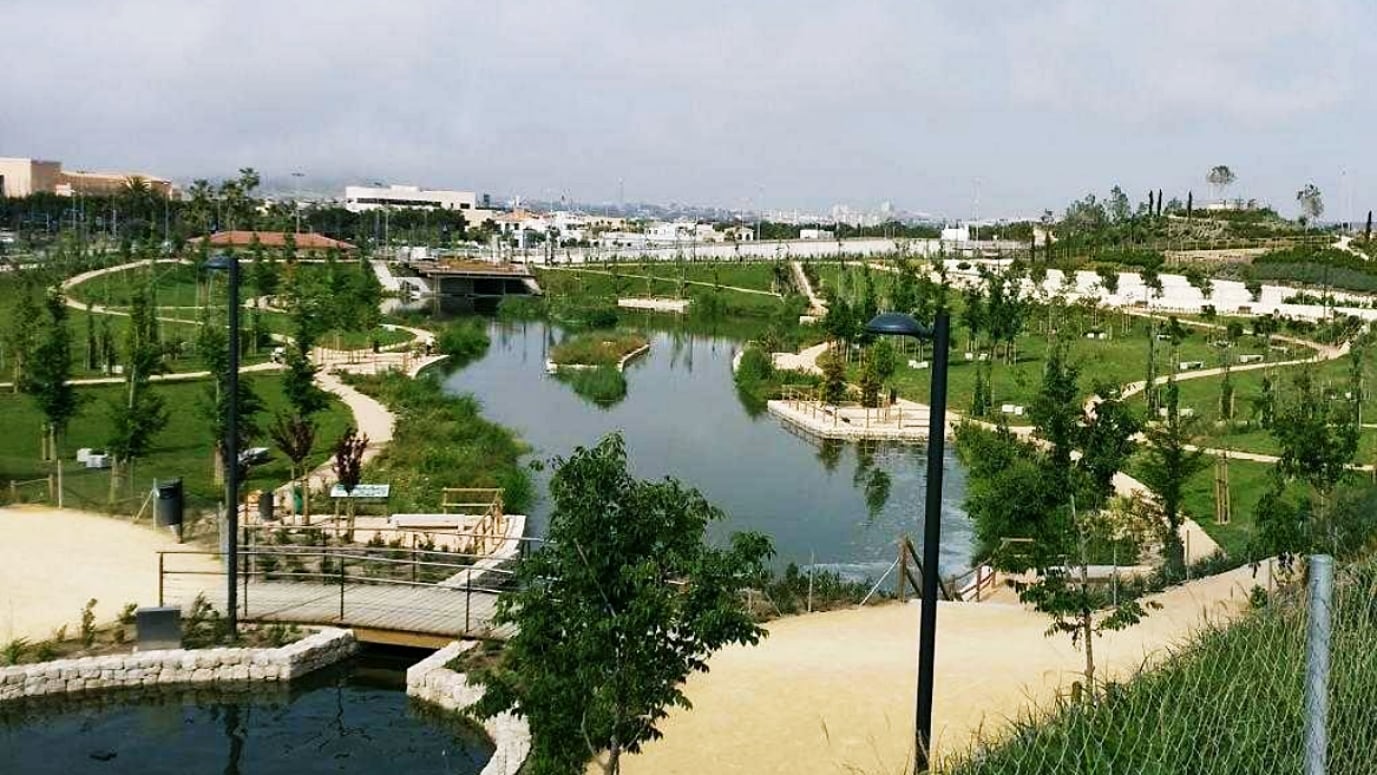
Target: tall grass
597,348
442,440
463,340
1229,702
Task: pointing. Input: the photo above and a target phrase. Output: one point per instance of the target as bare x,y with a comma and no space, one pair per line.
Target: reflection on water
681,416
343,719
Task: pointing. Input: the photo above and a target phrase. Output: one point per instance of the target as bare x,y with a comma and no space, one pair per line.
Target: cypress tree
1190,204
1159,203
1367,233
1151,205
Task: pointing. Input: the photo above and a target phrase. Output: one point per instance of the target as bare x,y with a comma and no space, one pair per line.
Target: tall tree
1168,467
1220,178
212,346
22,331
48,377
615,611
1318,439
141,413
1311,203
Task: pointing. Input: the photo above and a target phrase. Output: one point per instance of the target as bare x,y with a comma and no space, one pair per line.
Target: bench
425,521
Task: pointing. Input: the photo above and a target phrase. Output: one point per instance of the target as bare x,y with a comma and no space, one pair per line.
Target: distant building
815,234
960,233
359,199
23,177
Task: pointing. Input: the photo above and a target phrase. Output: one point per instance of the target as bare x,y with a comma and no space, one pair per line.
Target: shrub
463,340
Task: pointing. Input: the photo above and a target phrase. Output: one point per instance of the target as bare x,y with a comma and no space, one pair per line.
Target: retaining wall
430,681
227,666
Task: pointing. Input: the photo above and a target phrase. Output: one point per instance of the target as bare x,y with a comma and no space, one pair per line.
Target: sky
984,109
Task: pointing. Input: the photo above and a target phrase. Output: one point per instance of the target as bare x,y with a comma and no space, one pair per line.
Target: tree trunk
1087,626
57,463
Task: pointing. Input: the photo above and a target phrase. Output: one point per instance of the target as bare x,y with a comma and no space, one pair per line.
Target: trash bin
168,512
265,506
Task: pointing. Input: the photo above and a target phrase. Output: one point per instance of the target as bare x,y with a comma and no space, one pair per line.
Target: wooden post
899,590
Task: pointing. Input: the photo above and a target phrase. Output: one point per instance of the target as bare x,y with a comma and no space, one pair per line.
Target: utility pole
296,199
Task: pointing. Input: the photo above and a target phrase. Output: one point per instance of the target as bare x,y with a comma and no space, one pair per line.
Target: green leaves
614,612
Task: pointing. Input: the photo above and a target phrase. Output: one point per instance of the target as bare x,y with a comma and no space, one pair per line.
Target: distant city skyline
999,110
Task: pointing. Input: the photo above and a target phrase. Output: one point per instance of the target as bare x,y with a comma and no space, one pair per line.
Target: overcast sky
990,107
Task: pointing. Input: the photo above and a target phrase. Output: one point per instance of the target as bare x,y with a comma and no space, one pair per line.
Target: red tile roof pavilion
275,239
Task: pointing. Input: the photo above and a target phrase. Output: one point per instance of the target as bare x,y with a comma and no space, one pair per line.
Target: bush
463,340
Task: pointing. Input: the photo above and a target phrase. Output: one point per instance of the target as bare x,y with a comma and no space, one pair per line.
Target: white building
815,234
358,199
960,233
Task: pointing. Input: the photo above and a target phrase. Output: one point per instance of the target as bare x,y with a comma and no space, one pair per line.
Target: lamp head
219,262
897,324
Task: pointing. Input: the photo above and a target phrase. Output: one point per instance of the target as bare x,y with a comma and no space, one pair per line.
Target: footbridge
404,587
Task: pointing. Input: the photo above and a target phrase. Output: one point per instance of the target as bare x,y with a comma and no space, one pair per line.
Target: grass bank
442,440
1228,701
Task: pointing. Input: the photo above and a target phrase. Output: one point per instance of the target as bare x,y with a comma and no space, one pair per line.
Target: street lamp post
898,324
229,263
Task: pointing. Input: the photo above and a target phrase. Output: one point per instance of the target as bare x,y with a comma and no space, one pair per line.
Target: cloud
798,103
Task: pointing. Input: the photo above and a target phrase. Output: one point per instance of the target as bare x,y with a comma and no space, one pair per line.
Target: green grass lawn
1247,481
1203,397
757,275
183,448
1118,361
591,285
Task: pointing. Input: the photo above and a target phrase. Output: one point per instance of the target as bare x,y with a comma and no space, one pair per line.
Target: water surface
682,417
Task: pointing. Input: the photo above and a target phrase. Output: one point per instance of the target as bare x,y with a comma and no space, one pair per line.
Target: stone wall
430,681
227,666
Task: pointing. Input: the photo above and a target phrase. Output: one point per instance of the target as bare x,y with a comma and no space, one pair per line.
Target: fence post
1317,662
468,599
899,591
160,579
341,588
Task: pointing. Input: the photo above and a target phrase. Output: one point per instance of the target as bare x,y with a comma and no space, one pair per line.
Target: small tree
348,466
1317,438
833,377
295,436
138,417
613,613
1169,465
47,378
1311,203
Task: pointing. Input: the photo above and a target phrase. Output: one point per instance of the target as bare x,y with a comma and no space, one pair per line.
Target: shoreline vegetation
598,349
442,440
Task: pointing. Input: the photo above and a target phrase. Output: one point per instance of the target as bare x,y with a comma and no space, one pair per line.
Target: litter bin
265,506
167,512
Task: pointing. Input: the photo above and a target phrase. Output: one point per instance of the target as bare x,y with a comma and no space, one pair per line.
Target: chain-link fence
1230,701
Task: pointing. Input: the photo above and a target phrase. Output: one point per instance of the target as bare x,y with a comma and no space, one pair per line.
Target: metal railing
286,584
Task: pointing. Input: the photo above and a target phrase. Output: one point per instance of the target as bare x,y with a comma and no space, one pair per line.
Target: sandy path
833,692
53,560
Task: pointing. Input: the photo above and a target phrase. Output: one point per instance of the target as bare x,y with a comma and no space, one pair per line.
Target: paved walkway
817,306
833,692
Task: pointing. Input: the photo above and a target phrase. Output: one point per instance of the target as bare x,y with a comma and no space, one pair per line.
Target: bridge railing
331,585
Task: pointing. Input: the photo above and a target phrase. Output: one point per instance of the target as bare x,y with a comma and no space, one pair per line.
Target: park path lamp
228,262
898,324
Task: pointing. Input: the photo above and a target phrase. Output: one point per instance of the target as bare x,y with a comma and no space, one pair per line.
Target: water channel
353,717
840,505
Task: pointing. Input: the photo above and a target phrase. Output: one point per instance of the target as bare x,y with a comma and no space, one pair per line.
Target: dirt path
53,560
833,692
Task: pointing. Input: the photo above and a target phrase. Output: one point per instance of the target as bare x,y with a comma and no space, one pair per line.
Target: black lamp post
228,262
898,324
